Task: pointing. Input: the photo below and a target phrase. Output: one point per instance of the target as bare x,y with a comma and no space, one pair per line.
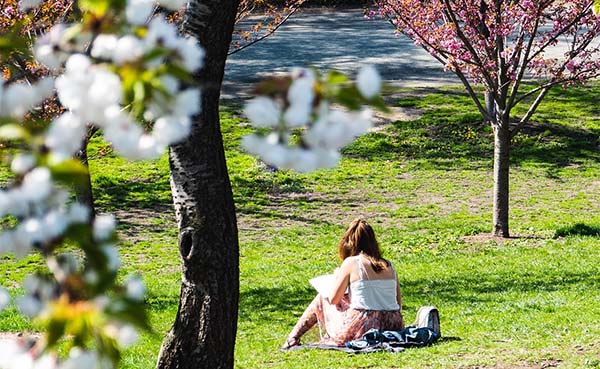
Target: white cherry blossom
112,257
37,185
18,99
148,148
128,49
104,227
263,112
135,288
4,298
29,306
160,33
171,129
46,361
297,115
368,81
65,135
80,359
301,91
123,134
48,48
22,163
55,223
171,84
138,11
191,53
187,102
104,46
78,213
173,5
127,336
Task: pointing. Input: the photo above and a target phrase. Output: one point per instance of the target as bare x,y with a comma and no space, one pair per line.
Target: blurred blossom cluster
124,79
123,71
41,207
306,118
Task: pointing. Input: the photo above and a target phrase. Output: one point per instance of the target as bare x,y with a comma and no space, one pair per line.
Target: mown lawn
532,301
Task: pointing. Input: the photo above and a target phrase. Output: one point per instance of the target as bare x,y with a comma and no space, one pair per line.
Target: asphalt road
339,39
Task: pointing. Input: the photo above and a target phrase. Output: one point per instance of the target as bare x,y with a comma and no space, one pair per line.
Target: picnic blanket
375,340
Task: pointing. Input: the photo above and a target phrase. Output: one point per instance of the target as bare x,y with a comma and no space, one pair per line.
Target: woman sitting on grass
374,300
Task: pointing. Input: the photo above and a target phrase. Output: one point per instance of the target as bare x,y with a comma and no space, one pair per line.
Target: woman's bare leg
305,323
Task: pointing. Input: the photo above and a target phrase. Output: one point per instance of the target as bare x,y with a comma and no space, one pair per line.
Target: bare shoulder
349,263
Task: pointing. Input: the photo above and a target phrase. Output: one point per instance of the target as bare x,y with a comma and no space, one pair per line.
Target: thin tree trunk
203,335
501,179
490,106
83,191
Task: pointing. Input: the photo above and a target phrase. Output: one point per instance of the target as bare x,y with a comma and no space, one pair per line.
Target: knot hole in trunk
186,242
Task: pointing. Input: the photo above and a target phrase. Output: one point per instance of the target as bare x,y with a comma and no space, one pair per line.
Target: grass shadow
272,300
578,229
490,288
452,133
111,193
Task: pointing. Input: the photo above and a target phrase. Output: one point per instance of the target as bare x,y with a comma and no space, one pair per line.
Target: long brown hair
360,237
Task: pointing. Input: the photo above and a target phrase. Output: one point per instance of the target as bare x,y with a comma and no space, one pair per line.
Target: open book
323,284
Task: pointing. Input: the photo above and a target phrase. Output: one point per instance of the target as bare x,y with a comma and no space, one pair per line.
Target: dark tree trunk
490,106
203,335
501,179
83,190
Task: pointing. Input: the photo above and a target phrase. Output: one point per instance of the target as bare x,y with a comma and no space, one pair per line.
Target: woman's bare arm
342,281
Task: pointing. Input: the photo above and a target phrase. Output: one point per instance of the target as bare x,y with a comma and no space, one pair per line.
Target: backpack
428,317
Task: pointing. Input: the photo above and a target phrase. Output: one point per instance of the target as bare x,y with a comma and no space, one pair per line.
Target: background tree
497,44
203,335
273,13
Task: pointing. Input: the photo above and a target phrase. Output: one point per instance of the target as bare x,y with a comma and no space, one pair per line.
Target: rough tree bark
83,191
502,137
203,335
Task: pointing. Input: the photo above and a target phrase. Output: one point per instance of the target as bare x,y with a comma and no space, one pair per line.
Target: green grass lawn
532,301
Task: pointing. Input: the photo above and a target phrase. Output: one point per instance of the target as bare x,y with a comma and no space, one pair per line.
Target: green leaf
131,311
596,7
179,73
139,91
350,98
13,41
14,132
71,172
336,78
157,52
139,95
378,103
96,7
55,330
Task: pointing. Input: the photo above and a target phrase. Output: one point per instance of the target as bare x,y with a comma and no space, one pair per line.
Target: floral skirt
340,323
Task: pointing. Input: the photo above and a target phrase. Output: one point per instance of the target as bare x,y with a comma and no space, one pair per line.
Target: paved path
344,40
340,39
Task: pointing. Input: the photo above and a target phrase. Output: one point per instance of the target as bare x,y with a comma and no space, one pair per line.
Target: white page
323,284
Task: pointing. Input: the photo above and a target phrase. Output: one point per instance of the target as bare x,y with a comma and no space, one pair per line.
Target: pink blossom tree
497,44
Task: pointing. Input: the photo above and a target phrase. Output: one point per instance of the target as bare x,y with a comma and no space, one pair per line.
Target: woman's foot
290,342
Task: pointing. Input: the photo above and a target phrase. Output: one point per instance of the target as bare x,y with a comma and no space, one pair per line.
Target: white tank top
373,294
